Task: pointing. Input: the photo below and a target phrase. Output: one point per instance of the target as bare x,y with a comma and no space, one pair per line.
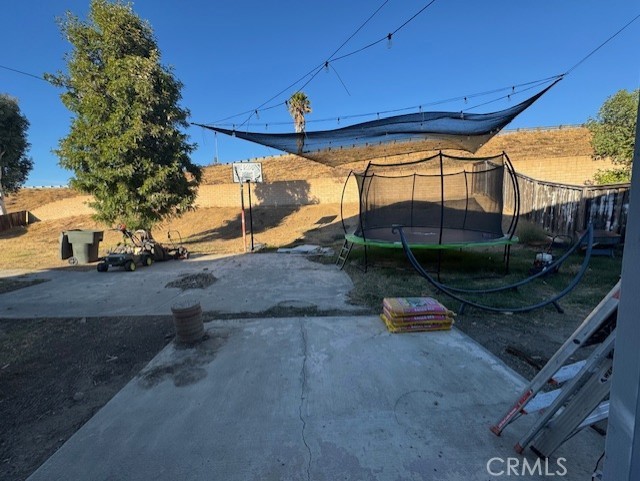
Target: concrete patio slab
322,398
244,283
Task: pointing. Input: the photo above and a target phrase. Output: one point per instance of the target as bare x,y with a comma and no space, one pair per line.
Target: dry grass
204,231
30,199
569,142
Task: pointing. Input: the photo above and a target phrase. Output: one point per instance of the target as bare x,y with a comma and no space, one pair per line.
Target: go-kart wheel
130,266
73,261
147,261
103,267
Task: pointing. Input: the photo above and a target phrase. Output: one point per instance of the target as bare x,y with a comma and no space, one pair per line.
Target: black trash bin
83,245
65,247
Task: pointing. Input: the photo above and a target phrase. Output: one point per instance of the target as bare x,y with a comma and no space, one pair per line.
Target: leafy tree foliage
125,144
613,135
14,163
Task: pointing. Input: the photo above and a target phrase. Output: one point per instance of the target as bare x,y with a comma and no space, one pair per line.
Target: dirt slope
567,142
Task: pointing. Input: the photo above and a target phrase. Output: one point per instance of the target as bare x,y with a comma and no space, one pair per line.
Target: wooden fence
567,209
15,219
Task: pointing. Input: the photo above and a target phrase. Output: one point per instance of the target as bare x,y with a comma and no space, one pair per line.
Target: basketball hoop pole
250,214
246,172
244,229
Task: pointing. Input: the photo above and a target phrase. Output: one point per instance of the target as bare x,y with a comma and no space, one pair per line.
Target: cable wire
313,72
533,83
602,45
316,70
24,73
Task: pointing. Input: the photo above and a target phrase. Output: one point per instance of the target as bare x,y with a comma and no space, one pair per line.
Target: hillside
565,142
31,199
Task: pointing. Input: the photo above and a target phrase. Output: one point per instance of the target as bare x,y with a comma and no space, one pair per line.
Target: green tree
299,105
14,163
125,145
613,135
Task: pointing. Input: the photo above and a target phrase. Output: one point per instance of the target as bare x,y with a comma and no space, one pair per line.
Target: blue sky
234,56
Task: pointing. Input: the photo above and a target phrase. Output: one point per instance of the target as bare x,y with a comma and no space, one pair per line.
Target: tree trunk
3,208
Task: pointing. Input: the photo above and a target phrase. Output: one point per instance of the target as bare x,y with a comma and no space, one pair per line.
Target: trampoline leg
461,310
507,255
365,258
558,308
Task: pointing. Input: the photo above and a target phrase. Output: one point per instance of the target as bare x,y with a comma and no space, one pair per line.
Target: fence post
581,216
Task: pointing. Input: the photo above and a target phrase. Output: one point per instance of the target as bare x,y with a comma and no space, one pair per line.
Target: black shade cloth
395,135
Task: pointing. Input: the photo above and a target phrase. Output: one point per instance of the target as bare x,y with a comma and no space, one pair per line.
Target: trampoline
442,202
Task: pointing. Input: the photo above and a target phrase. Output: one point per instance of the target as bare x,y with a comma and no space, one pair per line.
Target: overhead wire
602,45
313,72
580,62
514,93
357,30
530,85
316,70
24,73
533,84
327,63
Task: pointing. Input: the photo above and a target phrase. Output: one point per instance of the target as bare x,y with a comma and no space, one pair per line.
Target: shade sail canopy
389,136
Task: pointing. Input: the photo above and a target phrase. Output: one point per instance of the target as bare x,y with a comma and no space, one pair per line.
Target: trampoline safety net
440,201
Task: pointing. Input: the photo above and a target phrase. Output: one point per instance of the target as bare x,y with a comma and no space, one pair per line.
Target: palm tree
299,105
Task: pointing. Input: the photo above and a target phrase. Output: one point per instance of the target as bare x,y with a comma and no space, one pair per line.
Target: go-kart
139,248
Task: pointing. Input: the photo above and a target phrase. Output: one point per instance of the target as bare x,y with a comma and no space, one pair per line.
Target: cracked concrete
303,390
310,398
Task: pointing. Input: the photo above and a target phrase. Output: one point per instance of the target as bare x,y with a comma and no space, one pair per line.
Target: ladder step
567,372
598,414
541,401
554,371
344,254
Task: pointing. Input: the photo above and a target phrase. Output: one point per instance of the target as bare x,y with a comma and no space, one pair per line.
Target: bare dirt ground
56,373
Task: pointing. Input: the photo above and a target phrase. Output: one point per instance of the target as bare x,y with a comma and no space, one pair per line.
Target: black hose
450,291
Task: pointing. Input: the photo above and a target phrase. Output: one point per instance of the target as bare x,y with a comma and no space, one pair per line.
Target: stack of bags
415,314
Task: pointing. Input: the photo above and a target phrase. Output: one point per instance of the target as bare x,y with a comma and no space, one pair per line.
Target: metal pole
244,229
250,214
622,448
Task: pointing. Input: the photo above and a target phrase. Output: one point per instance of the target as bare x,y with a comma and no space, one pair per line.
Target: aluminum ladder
579,379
